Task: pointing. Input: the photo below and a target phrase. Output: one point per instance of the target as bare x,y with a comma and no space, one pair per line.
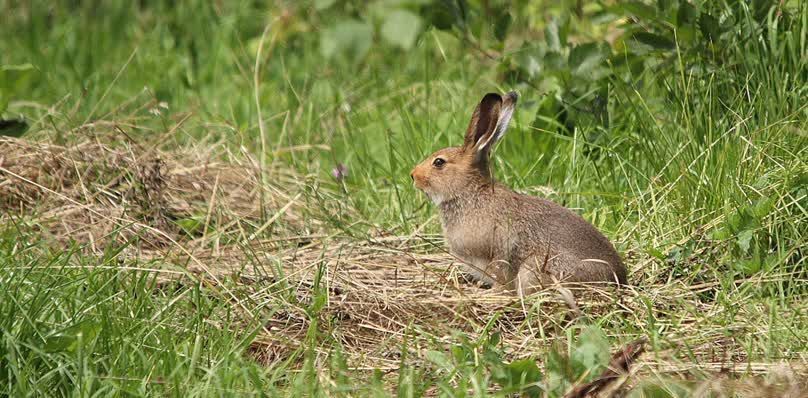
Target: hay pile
89,192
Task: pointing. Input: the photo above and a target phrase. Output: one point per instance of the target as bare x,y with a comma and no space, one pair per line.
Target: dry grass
380,290
90,191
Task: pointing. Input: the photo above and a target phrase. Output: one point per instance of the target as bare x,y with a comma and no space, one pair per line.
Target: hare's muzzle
417,178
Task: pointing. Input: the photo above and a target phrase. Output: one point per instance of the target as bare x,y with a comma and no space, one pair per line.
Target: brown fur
505,238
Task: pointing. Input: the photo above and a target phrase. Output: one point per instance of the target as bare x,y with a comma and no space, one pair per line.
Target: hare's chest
474,244
480,258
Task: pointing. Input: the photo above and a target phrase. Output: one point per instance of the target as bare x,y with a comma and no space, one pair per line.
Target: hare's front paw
472,279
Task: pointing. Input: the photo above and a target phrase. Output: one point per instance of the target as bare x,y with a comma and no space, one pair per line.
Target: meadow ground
207,204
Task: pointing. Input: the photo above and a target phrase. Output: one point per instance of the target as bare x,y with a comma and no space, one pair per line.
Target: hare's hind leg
533,278
544,270
599,271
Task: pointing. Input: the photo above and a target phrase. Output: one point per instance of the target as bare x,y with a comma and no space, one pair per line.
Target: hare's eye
438,162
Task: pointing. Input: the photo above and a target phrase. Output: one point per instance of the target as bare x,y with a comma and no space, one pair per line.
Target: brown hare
506,239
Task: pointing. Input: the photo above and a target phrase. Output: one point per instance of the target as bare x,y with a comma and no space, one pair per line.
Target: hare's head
449,172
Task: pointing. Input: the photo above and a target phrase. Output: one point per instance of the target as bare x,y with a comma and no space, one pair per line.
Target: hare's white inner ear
483,120
499,131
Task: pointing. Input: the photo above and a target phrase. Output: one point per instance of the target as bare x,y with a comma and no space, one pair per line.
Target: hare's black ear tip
512,96
492,97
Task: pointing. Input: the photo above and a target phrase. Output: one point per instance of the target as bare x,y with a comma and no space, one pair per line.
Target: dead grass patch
90,191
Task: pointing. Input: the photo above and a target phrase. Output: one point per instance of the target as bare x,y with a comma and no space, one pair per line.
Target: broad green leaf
686,35
743,219
762,207
528,60
556,32
440,359
554,60
558,369
801,181
69,339
709,26
592,351
639,9
323,92
656,253
656,41
442,15
663,5
686,15
761,7
524,370
551,36
680,253
317,303
502,25
546,115
461,353
586,57
323,4
400,28
773,260
749,266
191,225
745,239
351,38
721,233
521,376
658,390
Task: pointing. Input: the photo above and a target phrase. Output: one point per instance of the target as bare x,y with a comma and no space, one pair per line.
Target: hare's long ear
489,123
483,120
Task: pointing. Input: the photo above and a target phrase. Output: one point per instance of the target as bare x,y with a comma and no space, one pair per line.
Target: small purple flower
339,172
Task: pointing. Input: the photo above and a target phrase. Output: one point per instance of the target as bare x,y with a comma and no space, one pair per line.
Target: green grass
701,179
